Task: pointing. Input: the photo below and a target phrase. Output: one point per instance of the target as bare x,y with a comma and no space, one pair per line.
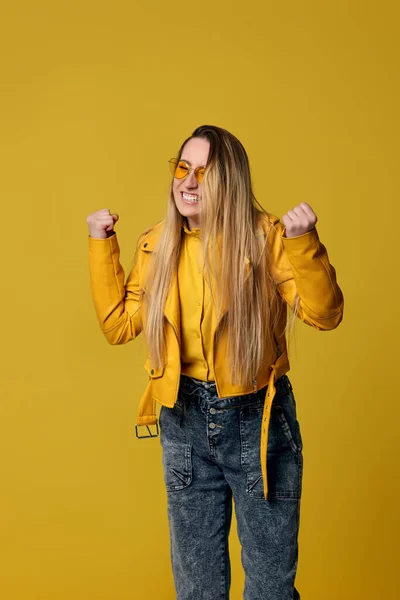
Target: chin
187,211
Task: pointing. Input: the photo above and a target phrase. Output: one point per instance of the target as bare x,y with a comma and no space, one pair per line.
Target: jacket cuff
300,244
103,247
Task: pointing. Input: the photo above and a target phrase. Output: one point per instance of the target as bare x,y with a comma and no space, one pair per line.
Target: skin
300,220
101,223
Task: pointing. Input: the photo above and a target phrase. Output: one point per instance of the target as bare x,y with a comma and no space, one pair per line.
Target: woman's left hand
299,220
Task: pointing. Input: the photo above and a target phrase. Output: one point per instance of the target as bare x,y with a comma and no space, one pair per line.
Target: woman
209,287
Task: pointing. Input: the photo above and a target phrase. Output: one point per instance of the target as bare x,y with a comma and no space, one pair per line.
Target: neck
192,223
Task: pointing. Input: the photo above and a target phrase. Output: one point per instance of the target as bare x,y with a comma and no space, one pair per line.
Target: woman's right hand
101,223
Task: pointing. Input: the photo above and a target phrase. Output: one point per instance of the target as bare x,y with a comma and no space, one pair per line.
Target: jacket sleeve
118,306
306,280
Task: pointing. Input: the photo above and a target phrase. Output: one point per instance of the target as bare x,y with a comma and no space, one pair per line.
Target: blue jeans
211,454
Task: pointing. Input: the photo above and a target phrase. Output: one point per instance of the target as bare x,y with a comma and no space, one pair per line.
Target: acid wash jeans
211,454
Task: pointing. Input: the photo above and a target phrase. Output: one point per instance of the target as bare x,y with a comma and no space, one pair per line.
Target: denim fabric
211,454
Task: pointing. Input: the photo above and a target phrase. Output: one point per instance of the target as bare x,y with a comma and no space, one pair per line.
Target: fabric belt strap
147,409
269,396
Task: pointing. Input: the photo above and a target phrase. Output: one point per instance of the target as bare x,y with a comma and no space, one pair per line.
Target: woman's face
187,191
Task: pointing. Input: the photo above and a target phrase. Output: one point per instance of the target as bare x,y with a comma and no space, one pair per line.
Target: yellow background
94,99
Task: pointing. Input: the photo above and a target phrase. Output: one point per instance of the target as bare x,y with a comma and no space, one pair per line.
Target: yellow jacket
300,266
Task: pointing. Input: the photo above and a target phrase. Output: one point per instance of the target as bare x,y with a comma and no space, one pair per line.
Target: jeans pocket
176,450
284,460
285,410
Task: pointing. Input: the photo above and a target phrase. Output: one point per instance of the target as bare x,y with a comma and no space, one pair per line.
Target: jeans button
212,425
213,411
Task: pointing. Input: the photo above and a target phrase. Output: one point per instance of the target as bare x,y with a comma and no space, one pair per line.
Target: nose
191,180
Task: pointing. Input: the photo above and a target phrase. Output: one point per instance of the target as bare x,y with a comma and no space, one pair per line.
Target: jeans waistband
196,390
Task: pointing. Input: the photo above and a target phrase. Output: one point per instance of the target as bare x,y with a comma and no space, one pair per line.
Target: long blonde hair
236,259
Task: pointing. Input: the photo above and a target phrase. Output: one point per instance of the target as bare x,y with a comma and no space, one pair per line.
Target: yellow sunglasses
181,169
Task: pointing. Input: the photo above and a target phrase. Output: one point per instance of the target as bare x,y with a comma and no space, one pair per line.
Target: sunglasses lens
200,174
181,170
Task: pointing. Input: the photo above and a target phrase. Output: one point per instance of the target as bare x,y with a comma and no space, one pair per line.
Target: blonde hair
236,259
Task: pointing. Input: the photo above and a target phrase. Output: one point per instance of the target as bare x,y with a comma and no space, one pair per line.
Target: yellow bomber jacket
300,266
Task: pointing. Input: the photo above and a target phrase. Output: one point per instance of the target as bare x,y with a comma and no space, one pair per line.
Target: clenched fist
101,223
299,220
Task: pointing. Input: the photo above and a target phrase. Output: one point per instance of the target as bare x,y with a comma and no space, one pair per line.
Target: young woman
209,288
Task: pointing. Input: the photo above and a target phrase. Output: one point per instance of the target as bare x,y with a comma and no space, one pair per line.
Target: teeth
189,197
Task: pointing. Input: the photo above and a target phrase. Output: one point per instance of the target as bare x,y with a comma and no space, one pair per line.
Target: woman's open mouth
189,198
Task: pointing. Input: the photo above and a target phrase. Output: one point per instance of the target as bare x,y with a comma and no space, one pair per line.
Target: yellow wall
94,98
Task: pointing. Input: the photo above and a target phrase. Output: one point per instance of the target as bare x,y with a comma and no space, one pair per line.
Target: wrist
98,235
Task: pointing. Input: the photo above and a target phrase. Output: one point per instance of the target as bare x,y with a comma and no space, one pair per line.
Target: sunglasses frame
174,162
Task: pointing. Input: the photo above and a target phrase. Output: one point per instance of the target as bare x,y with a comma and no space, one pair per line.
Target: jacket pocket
154,373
